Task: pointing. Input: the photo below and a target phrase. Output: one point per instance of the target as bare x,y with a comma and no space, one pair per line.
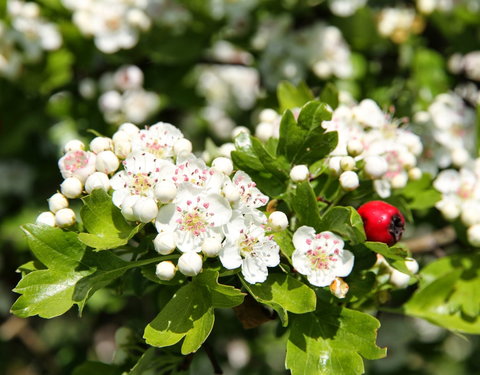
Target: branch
432,241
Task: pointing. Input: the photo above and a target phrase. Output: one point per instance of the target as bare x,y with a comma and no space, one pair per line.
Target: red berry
382,222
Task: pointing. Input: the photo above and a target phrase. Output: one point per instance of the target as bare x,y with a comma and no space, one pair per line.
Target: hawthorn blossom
79,164
142,171
320,256
247,245
194,215
158,140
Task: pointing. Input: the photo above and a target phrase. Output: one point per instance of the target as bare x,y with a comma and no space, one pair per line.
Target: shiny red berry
382,222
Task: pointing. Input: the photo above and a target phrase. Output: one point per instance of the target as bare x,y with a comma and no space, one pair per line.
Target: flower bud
349,180
415,174
299,173
231,193
165,242
122,148
399,279
46,218
145,209
268,115
375,166
211,246
334,165
354,147
470,213
182,146
130,129
408,160
264,131
223,165
165,191
110,101
165,270
107,162
98,180
412,265
127,207
449,209
99,144
56,202
240,129
226,149
339,288
278,221
473,234
71,187
190,263
347,163
121,136
65,217
460,157
74,145
399,181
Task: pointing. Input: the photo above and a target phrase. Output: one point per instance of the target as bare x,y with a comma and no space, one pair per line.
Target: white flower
190,263
299,173
158,140
46,218
369,114
142,172
165,270
56,202
79,164
473,234
65,217
375,166
250,196
98,180
248,246
192,170
71,187
194,215
321,256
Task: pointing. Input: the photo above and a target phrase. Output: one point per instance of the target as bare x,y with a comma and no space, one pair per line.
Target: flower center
193,222
140,183
246,244
76,160
156,148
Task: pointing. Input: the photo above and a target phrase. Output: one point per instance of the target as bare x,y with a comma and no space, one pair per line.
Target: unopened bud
375,166
165,242
278,221
107,162
145,209
334,165
349,180
231,193
182,146
99,144
129,128
98,180
299,173
211,246
127,207
65,217
473,234
56,202
415,174
46,218
354,147
165,191
165,270
347,163
339,288
71,187
223,165
190,263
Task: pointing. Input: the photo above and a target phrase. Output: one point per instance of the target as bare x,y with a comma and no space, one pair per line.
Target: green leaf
190,313
276,166
329,95
105,223
92,368
394,255
313,114
449,293
53,247
284,240
346,222
290,96
420,194
331,342
304,203
46,293
283,293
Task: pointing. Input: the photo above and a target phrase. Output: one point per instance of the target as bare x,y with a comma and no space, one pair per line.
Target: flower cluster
461,197
26,38
449,139
469,64
195,208
123,97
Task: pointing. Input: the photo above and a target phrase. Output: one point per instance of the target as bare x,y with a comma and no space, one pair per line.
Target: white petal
220,207
300,237
230,256
321,278
254,270
345,264
165,214
119,196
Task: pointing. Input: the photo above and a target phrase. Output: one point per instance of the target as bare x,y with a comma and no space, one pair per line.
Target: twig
432,241
213,360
